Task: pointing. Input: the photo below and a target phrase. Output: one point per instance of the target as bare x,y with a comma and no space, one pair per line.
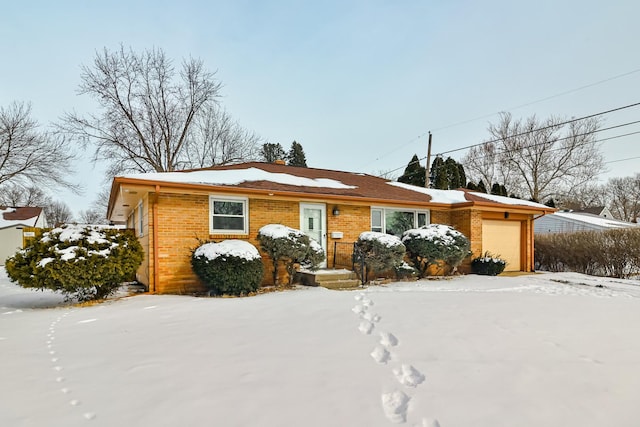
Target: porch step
331,279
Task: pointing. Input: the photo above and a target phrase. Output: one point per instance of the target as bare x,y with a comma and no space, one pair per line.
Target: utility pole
428,172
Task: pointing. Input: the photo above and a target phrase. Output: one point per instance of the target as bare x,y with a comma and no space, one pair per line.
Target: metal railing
348,255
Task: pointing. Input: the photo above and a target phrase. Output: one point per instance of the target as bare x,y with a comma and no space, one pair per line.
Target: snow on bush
289,246
488,264
231,267
82,262
380,251
434,243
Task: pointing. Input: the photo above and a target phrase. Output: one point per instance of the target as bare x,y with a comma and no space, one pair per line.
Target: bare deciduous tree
540,159
92,216
58,213
148,109
624,196
29,156
217,139
15,195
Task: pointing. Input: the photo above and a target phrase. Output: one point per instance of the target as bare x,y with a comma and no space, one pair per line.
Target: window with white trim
396,221
228,215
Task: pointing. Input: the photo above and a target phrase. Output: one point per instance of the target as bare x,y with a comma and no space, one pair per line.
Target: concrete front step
340,284
332,279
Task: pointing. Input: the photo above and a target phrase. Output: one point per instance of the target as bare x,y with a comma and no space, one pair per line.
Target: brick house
170,211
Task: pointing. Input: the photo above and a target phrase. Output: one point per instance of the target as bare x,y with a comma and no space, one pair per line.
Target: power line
622,160
555,149
543,128
508,109
539,100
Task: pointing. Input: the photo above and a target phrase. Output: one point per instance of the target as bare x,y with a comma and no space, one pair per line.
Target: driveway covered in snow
534,350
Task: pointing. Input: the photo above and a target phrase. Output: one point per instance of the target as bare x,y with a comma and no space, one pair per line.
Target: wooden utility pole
428,172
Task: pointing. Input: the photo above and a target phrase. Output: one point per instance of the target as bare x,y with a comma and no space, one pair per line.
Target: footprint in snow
365,327
367,302
395,405
359,297
358,309
408,376
428,422
387,339
380,355
371,317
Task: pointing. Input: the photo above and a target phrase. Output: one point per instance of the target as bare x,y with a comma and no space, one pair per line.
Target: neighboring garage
504,239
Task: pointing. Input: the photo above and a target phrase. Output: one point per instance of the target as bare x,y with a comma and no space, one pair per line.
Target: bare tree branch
544,159
30,157
148,109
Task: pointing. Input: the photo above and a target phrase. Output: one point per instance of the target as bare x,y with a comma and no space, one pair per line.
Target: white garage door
503,238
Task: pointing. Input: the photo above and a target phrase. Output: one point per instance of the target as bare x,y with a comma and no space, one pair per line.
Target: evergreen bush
381,252
434,243
230,267
289,246
82,262
488,265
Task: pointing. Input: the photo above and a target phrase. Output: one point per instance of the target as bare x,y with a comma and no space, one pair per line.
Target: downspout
533,241
154,211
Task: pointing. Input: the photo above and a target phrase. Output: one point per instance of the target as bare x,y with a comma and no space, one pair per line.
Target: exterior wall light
336,211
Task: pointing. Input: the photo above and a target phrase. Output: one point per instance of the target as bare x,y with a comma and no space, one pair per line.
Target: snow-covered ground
470,351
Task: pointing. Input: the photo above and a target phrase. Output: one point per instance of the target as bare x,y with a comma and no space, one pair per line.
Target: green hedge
82,262
435,243
230,267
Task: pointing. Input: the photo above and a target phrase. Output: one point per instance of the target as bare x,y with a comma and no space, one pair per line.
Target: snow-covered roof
238,176
283,180
565,222
21,216
459,196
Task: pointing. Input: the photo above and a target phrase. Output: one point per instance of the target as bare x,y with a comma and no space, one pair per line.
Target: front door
313,222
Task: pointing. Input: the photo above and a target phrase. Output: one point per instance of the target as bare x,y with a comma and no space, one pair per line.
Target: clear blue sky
357,83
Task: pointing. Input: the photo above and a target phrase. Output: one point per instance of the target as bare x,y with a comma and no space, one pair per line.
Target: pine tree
481,187
414,173
272,152
439,174
471,186
296,156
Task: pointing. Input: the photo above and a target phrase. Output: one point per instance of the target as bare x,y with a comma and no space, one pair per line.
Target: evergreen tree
439,174
447,174
272,152
296,156
471,186
414,173
462,176
481,187
550,203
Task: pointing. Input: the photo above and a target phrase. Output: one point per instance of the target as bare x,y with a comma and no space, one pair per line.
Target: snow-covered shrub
434,243
381,252
405,271
82,262
231,267
289,246
488,265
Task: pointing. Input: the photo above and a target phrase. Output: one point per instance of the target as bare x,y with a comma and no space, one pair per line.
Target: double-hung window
396,221
228,215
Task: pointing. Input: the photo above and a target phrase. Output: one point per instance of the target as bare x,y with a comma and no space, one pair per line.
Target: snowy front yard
471,351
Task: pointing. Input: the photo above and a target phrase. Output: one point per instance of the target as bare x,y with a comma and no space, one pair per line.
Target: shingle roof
282,179
10,216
